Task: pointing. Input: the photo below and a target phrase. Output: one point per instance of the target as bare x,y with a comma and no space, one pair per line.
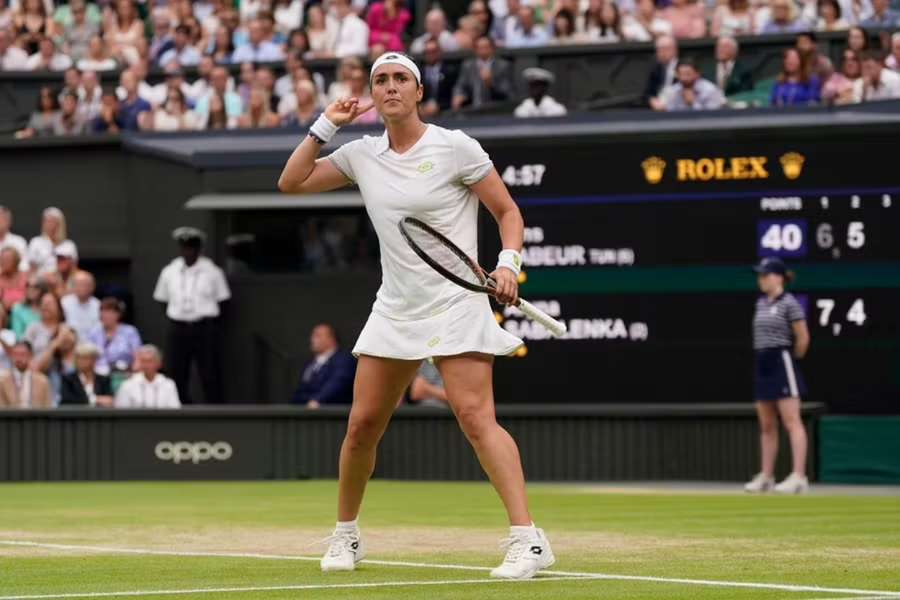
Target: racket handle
557,328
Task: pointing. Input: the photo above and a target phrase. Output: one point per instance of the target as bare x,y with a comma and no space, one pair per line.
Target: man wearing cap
192,287
538,103
84,386
67,266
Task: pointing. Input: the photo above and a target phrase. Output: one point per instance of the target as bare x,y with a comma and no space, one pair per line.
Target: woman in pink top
387,22
687,19
12,279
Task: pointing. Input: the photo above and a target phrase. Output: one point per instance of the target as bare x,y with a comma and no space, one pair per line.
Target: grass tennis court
249,540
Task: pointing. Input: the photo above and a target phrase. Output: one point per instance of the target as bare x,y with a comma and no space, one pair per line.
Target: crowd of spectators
81,39
59,343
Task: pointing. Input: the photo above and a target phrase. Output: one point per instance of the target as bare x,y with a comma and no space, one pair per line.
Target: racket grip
557,328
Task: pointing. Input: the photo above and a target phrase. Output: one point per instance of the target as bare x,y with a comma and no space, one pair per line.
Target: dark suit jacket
655,82
72,392
470,78
443,92
332,383
740,79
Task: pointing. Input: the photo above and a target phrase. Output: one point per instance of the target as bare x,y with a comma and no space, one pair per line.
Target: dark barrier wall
562,443
583,73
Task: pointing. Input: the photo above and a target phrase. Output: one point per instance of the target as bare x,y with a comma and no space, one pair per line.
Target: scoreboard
644,249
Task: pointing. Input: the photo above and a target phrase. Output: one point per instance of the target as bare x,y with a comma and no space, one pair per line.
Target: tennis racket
446,258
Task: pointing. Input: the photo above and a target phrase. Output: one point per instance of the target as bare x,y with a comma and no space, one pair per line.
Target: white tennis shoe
528,551
345,549
793,484
760,484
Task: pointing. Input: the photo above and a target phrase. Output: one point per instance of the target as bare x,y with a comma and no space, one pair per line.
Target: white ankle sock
523,528
347,525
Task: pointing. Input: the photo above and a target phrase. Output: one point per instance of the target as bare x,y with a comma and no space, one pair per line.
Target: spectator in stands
435,29
53,343
838,88
796,85
258,112
117,341
182,53
22,387
298,41
132,105
605,25
173,115
783,18
817,63
6,14
42,248
12,58
48,57
305,108
892,62
340,87
484,17
328,377
97,57
32,25
830,17
321,37
7,340
883,16
8,239
222,47
359,88
387,20
538,103
90,95
857,39
110,117
84,386
564,30
78,32
200,86
69,120
288,16
193,287
468,32
43,118
350,35
257,48
734,18
645,24
81,308
13,280
663,75
484,78
687,18
148,388
692,92
162,40
729,74
264,79
231,101
876,83
427,388
527,33
438,79
27,312
66,268
124,32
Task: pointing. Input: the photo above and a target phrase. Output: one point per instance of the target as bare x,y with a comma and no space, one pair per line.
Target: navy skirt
776,376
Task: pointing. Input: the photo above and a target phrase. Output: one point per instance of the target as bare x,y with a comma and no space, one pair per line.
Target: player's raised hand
343,111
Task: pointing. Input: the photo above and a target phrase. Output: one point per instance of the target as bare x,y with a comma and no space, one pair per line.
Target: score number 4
856,314
526,175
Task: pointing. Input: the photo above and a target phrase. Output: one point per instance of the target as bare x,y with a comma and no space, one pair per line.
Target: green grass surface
830,541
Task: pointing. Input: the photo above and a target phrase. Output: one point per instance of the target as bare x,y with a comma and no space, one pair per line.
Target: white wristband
323,128
510,259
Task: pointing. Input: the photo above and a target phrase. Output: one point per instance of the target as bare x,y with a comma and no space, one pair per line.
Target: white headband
395,58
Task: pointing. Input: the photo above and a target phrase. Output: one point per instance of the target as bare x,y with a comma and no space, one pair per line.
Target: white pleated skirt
467,326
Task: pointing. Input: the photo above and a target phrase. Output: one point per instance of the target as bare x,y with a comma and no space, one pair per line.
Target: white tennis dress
417,312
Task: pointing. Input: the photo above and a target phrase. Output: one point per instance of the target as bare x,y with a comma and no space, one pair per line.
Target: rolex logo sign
792,164
653,169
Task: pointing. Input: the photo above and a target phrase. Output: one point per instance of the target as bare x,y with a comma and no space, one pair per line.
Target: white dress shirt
42,253
888,87
139,392
14,59
350,35
548,107
22,379
83,317
192,293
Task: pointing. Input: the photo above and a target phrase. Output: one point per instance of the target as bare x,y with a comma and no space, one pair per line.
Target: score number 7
856,314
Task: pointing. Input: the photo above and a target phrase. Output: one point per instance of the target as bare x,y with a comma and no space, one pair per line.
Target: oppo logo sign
193,452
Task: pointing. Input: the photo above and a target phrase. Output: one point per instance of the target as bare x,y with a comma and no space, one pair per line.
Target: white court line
281,588
390,563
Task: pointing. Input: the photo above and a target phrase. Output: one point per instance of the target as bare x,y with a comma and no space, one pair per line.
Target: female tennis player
780,335
437,175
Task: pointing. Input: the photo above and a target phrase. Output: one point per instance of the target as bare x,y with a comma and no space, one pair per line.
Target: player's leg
767,415
468,381
796,483
379,383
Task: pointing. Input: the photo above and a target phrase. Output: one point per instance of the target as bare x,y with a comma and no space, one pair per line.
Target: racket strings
444,256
